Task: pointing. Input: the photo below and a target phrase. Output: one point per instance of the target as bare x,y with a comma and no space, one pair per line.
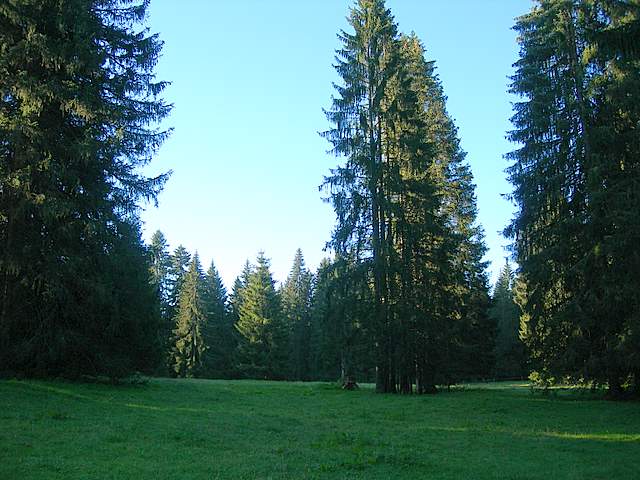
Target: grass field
199,429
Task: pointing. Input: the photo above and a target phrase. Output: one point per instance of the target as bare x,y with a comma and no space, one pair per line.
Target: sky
249,80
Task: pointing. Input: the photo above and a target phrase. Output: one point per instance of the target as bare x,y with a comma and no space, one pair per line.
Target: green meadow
203,429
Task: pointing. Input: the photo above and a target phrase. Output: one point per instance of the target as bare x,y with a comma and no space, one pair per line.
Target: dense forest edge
403,298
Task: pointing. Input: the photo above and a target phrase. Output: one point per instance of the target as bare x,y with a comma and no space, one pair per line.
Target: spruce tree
235,298
178,267
218,331
296,309
340,330
510,355
612,258
406,210
78,104
262,345
319,343
190,324
365,62
548,176
327,339
574,180
160,263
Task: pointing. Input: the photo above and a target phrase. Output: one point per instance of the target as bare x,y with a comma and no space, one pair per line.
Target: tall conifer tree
190,324
365,62
406,209
296,308
78,101
262,346
160,264
576,227
218,331
178,266
510,359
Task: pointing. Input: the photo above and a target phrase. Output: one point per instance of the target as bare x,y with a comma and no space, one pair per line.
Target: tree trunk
615,388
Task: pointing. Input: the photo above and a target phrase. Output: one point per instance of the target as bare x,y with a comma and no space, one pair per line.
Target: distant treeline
404,299
310,328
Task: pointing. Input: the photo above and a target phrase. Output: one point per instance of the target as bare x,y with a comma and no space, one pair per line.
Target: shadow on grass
106,401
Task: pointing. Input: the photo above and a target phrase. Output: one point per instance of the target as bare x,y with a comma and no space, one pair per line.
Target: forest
403,298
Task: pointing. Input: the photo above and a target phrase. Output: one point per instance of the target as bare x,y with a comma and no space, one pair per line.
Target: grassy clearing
199,429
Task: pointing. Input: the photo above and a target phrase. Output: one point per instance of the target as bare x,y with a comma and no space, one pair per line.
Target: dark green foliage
218,329
366,62
406,211
510,354
295,297
160,264
189,334
160,280
324,344
176,271
575,181
178,265
444,241
262,346
77,96
340,341
235,299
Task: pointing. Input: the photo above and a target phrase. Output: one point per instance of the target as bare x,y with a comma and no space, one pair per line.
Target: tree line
404,299
307,328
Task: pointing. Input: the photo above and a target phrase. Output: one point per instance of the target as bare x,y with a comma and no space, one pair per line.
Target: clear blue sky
250,79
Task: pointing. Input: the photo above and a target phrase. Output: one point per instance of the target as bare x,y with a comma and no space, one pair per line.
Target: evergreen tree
612,256
262,345
178,267
448,245
240,283
473,329
340,339
160,264
406,210
235,303
190,324
78,101
365,63
547,174
321,335
296,309
218,331
575,182
132,310
510,355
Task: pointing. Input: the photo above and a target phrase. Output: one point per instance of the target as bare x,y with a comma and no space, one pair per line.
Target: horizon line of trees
302,330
